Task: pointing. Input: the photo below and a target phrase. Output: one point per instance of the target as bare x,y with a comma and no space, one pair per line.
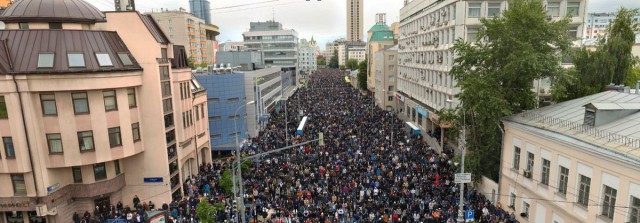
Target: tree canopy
496,72
362,75
333,62
609,62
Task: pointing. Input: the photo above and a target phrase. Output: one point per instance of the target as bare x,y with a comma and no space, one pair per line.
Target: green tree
352,64
362,75
496,73
610,62
225,181
192,63
322,61
204,64
207,212
633,77
333,63
342,67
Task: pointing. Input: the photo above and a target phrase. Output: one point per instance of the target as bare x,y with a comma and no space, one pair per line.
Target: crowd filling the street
370,169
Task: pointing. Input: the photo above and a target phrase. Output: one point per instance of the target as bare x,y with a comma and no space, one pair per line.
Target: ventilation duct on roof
597,114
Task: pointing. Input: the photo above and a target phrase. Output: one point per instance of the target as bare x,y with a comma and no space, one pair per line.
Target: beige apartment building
355,10
379,37
184,28
385,78
94,109
575,161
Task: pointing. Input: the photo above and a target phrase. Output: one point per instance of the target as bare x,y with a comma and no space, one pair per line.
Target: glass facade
201,9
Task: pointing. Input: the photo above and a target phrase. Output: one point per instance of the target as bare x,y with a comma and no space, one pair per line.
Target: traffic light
321,137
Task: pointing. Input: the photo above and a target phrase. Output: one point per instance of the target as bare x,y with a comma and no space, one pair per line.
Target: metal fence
582,128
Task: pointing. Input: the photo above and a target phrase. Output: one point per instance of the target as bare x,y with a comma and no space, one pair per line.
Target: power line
235,6
237,10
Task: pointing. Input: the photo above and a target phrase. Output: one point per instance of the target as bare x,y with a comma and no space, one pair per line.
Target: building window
80,103
166,88
77,174
76,60
472,34
3,108
530,161
474,10
131,93
589,117
493,9
391,57
23,25
114,137
608,201
85,140
553,9
135,131
564,180
525,209
19,187
9,150
45,60
573,9
389,98
233,100
391,67
54,141
164,73
516,158
126,60
55,25
544,176
104,60
197,114
512,200
202,111
390,88
48,102
213,100
216,136
583,191
99,171
391,78
110,101
167,105
214,118
634,210
116,164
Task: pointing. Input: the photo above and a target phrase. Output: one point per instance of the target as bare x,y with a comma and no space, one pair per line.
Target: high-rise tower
201,9
354,20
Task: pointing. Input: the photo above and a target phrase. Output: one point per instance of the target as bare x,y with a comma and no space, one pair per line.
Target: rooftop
620,136
382,36
73,11
49,51
379,27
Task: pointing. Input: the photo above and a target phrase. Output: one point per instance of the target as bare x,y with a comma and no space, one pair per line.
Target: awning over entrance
435,119
413,129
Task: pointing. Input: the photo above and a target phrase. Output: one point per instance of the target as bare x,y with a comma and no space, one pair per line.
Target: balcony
191,26
162,60
192,48
192,40
192,33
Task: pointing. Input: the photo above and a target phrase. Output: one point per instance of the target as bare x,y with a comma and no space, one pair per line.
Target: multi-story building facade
428,29
307,54
379,37
385,78
232,46
198,36
332,47
351,50
576,161
598,23
201,9
279,46
76,122
247,60
265,87
355,9
227,108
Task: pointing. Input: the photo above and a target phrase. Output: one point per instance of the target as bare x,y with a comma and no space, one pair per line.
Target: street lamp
240,203
286,120
461,145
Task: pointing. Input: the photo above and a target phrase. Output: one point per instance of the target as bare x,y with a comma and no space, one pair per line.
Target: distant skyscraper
354,20
201,9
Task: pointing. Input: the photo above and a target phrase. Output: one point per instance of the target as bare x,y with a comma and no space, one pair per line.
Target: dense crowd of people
368,170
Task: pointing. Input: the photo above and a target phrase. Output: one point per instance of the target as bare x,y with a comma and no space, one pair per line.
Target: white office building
428,29
307,55
279,46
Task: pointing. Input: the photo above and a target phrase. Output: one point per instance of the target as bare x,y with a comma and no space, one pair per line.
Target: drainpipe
26,134
500,172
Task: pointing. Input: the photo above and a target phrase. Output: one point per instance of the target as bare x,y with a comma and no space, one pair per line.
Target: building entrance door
104,203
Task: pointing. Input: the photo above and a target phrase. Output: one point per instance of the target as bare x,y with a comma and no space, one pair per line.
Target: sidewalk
430,140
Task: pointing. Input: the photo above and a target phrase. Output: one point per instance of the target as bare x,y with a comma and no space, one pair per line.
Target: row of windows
422,93
80,102
584,184
77,60
85,141
185,90
424,77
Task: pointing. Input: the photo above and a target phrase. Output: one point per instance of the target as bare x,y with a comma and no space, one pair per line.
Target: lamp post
286,121
240,202
461,145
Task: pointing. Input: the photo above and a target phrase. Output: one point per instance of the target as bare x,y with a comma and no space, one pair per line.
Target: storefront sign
52,188
22,204
422,111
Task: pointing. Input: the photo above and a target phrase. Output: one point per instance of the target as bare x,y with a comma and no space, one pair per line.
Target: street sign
468,215
463,178
153,179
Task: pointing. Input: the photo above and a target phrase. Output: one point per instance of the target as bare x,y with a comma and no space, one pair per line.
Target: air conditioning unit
527,173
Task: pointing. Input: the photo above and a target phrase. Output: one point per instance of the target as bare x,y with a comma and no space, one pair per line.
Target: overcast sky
325,20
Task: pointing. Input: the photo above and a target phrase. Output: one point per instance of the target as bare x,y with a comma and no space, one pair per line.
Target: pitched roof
154,29
621,135
382,36
21,48
75,11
